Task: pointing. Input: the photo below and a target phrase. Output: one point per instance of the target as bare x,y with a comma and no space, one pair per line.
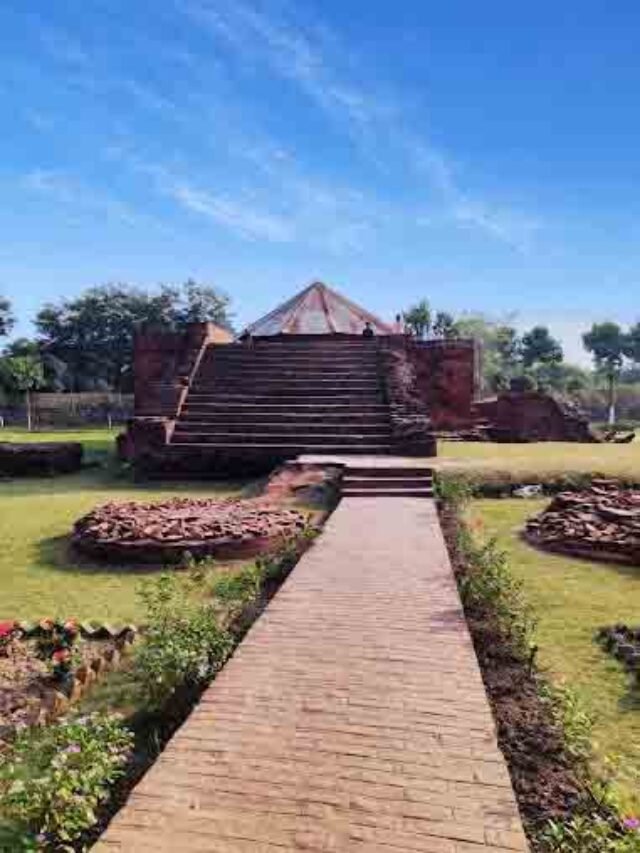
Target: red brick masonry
352,718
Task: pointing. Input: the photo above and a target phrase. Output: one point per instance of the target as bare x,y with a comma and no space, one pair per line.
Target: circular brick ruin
164,532
600,523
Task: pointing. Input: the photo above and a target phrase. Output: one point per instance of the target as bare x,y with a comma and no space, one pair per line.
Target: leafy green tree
632,344
418,319
444,326
608,344
22,374
92,335
539,347
7,319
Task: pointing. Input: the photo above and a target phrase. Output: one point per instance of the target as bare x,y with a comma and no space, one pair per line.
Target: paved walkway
352,717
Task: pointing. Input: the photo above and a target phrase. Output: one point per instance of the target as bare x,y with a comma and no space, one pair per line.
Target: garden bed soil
542,773
26,683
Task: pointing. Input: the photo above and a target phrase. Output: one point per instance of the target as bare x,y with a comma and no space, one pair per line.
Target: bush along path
543,732
60,784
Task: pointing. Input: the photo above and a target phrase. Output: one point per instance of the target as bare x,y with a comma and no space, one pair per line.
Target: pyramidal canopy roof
318,310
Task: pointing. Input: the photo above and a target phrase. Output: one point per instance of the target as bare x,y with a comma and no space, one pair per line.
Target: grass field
38,575
572,598
539,462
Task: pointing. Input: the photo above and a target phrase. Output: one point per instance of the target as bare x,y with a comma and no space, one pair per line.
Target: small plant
183,644
489,585
235,590
8,632
455,491
53,778
56,644
575,722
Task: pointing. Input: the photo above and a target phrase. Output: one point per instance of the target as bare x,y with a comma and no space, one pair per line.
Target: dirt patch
542,773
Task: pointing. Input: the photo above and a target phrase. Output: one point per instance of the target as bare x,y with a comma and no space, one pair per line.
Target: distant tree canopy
6,317
418,319
539,347
86,343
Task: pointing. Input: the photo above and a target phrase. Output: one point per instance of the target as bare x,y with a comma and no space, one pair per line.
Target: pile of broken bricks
166,531
601,522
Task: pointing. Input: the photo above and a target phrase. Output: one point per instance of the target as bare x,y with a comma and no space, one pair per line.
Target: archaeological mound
601,523
164,532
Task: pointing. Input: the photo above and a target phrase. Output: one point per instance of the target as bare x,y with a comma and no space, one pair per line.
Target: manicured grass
538,462
39,576
572,598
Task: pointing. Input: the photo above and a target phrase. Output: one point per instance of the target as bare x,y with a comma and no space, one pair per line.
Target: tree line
86,343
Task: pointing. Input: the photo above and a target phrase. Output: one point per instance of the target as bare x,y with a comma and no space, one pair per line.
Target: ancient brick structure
319,375
532,416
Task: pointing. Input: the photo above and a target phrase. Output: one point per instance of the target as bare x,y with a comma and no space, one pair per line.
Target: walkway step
351,719
387,492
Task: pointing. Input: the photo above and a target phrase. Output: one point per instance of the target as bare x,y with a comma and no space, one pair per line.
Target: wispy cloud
75,196
312,58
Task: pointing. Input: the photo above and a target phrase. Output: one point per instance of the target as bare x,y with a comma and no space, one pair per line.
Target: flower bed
165,532
43,669
601,522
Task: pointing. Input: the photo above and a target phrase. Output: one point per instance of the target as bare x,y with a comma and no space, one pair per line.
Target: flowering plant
8,630
56,642
53,778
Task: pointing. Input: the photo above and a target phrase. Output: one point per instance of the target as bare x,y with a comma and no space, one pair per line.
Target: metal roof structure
318,310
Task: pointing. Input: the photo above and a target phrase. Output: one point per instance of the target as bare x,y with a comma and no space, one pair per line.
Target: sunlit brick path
352,717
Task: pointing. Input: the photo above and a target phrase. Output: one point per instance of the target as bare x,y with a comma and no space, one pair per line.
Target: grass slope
572,598
540,461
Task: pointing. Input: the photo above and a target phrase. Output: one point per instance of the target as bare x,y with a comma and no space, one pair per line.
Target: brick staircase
386,482
287,397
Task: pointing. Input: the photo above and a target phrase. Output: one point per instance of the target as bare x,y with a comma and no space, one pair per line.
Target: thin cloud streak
310,60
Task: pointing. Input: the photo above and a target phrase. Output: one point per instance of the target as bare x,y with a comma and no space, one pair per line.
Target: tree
92,335
7,319
632,344
444,326
539,347
607,343
22,374
418,319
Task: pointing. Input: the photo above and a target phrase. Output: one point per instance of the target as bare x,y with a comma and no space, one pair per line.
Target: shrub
183,643
53,778
239,588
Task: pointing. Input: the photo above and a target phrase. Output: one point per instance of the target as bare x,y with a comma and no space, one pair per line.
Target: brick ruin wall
446,373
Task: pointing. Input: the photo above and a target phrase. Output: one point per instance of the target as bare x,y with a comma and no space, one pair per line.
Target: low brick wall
40,459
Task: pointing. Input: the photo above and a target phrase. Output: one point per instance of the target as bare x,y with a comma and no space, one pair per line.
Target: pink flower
61,655
631,823
7,628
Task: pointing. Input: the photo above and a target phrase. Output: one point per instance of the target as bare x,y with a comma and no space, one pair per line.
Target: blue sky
484,155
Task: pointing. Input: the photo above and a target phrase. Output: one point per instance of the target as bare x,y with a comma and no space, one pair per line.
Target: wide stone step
369,484
310,396
254,437
284,374
377,472
287,449
312,406
290,427
324,383
284,416
384,492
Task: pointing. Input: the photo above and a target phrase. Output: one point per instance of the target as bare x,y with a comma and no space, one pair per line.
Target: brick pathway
352,717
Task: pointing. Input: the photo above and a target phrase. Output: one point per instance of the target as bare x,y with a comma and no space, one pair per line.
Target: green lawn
572,598
38,574
540,461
